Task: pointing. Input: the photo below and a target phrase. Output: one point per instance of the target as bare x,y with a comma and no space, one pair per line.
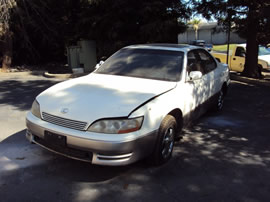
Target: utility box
73,56
83,56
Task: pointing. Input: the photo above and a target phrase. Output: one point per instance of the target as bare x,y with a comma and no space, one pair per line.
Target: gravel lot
222,157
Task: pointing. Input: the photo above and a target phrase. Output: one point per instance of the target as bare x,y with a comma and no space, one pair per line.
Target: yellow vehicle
236,60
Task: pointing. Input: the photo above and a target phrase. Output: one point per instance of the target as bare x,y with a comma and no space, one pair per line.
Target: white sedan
133,106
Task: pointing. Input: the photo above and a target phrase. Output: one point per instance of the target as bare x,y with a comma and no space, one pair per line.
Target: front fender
156,110
263,63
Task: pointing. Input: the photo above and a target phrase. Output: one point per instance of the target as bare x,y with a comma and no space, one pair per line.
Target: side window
193,62
207,62
240,52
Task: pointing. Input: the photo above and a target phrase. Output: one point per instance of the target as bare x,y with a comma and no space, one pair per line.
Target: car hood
266,58
99,96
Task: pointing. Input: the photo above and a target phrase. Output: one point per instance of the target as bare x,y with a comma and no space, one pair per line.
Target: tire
219,101
165,141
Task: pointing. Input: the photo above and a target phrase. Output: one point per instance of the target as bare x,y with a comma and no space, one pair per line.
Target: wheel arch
178,115
224,88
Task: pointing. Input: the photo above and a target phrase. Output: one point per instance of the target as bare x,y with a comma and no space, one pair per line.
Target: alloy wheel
167,143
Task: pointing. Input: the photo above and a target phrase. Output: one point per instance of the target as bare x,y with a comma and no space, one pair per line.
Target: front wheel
165,141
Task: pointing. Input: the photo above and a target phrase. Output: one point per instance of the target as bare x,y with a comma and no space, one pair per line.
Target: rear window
144,63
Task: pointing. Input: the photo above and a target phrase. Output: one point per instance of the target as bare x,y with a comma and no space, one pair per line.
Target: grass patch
223,48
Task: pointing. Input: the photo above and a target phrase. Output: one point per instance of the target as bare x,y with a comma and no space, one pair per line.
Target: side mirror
99,64
195,75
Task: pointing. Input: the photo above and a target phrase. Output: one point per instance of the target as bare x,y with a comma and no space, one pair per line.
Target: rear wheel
219,101
165,141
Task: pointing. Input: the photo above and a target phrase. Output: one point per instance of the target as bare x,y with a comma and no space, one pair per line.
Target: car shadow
20,153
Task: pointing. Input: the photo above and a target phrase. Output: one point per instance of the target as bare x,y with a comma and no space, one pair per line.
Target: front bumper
101,149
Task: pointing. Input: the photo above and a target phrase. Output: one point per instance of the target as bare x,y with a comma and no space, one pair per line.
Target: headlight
36,109
116,126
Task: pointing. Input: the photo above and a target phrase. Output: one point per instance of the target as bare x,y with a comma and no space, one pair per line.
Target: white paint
100,96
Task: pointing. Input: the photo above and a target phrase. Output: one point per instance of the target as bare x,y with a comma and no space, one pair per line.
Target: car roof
245,45
165,46
199,40
242,45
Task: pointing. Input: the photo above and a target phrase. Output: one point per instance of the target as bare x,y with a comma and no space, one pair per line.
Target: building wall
219,38
209,36
205,35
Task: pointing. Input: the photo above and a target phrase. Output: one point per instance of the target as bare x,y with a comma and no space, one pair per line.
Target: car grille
77,125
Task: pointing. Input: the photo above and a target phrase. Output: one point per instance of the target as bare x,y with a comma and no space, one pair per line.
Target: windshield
264,51
144,63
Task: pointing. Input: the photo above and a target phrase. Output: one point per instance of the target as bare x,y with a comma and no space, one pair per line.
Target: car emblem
64,110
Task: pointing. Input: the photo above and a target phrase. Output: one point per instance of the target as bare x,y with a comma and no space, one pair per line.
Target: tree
42,29
5,33
195,24
251,14
117,23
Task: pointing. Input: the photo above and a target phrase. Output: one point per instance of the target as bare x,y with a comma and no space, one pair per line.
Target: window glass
193,62
144,63
240,52
191,58
207,62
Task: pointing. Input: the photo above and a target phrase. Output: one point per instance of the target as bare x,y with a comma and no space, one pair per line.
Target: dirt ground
222,157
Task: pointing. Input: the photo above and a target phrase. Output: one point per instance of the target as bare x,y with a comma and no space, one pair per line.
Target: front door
238,60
